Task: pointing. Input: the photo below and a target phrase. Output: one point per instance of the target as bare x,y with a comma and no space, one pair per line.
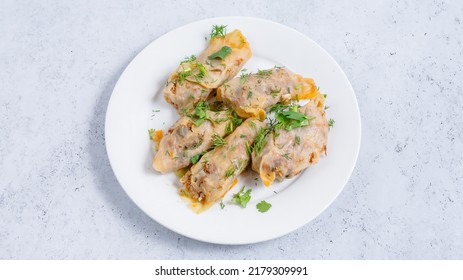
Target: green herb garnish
275,92
151,133
188,59
263,206
297,139
222,53
230,171
195,145
242,197
286,156
235,121
217,141
218,31
202,72
331,123
248,149
194,159
249,94
291,119
260,140
222,205
182,75
200,113
264,73
244,77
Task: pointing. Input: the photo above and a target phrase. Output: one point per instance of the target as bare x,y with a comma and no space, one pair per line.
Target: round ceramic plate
137,104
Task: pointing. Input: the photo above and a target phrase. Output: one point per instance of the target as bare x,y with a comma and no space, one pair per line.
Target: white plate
294,202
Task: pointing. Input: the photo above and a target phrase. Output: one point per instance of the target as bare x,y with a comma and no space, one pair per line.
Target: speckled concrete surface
59,61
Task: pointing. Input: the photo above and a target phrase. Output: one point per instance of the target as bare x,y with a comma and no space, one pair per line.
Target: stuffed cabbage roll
217,171
297,141
196,77
250,95
190,137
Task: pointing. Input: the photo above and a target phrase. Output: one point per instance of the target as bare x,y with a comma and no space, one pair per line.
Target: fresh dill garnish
234,123
192,68
286,156
195,145
260,140
229,128
297,139
202,72
222,205
278,107
298,87
183,74
327,107
275,92
200,114
264,73
244,77
218,31
242,136
188,59
230,171
217,141
222,53
242,197
151,133
248,149
325,95
249,94
331,123
278,67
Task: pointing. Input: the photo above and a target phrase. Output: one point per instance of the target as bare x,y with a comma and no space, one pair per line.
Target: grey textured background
59,61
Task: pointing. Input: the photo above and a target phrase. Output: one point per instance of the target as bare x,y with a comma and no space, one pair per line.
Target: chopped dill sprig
218,31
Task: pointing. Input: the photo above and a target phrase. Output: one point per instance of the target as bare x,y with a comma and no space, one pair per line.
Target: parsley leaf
291,119
242,197
263,206
200,113
222,53
194,159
